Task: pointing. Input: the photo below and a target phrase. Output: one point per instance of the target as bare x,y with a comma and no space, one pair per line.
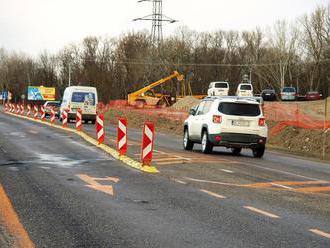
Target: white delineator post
52,116
122,136
65,118
28,113
36,110
79,119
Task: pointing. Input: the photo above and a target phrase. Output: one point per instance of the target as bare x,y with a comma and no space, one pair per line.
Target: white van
244,89
82,97
218,89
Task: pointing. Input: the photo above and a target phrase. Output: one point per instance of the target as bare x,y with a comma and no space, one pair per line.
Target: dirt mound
186,103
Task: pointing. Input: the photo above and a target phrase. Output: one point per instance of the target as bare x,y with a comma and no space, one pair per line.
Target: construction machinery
147,97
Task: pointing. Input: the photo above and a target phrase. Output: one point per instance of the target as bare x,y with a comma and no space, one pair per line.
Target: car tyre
236,151
207,146
259,151
187,143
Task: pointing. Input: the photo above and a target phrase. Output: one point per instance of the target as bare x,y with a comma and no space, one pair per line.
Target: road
67,193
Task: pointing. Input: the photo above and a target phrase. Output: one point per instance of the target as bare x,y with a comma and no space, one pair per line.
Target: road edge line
112,152
10,220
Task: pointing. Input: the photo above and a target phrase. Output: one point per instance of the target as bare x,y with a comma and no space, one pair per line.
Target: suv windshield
221,85
289,90
245,87
239,109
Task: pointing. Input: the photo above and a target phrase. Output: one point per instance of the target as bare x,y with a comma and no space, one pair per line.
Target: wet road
67,193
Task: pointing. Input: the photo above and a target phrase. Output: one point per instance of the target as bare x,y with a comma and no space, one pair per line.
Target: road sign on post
147,143
100,128
122,136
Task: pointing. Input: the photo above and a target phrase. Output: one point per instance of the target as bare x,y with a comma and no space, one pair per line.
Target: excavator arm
133,96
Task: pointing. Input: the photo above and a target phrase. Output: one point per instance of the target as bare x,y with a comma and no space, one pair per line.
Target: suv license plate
241,123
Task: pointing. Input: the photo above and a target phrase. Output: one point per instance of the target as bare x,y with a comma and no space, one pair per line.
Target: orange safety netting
288,114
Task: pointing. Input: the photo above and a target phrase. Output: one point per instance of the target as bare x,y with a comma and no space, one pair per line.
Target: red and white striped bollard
28,113
42,113
65,118
18,109
36,110
6,107
100,134
52,116
79,119
147,143
22,109
122,136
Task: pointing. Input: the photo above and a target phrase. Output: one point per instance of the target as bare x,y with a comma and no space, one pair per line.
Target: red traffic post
65,118
79,120
147,143
122,136
100,134
22,109
18,109
52,116
10,108
28,113
36,110
42,113
6,107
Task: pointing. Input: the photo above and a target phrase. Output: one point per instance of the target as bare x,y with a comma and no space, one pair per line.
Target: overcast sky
32,26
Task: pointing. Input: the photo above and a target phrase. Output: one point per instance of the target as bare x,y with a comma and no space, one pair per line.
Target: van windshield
83,97
239,109
246,87
221,85
289,90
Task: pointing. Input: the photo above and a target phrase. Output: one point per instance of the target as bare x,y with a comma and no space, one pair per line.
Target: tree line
285,54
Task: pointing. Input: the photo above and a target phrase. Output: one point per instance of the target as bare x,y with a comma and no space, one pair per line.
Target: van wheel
207,146
236,151
187,143
259,151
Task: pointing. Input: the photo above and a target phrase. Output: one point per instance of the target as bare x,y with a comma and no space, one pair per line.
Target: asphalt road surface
63,192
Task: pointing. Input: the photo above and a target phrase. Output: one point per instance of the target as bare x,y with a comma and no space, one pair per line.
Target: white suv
218,89
231,122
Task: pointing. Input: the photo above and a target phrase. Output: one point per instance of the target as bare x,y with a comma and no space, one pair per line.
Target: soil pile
186,103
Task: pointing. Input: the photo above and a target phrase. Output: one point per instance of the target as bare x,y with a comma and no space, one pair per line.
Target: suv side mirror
192,111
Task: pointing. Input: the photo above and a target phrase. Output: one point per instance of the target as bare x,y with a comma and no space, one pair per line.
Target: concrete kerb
125,159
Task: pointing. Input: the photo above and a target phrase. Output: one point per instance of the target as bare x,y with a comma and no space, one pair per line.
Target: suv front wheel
259,151
187,143
207,146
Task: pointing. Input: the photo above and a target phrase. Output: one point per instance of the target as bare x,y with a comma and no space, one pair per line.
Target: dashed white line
282,186
321,233
228,171
213,194
262,212
179,181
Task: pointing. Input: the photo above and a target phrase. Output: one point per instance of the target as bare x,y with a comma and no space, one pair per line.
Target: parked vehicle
231,122
82,97
244,89
313,96
289,94
218,89
268,95
49,105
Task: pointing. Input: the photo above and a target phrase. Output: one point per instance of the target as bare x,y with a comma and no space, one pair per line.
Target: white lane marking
214,182
282,186
321,233
179,181
44,167
279,171
262,212
213,194
228,171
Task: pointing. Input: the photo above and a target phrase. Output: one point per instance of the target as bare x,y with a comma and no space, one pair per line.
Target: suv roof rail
247,98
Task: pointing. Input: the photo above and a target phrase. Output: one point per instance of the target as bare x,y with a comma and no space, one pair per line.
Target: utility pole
157,18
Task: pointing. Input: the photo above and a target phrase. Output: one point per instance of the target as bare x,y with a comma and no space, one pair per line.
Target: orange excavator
147,97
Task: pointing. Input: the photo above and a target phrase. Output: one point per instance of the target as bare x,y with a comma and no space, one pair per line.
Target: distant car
313,96
218,89
52,104
268,95
289,94
244,89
